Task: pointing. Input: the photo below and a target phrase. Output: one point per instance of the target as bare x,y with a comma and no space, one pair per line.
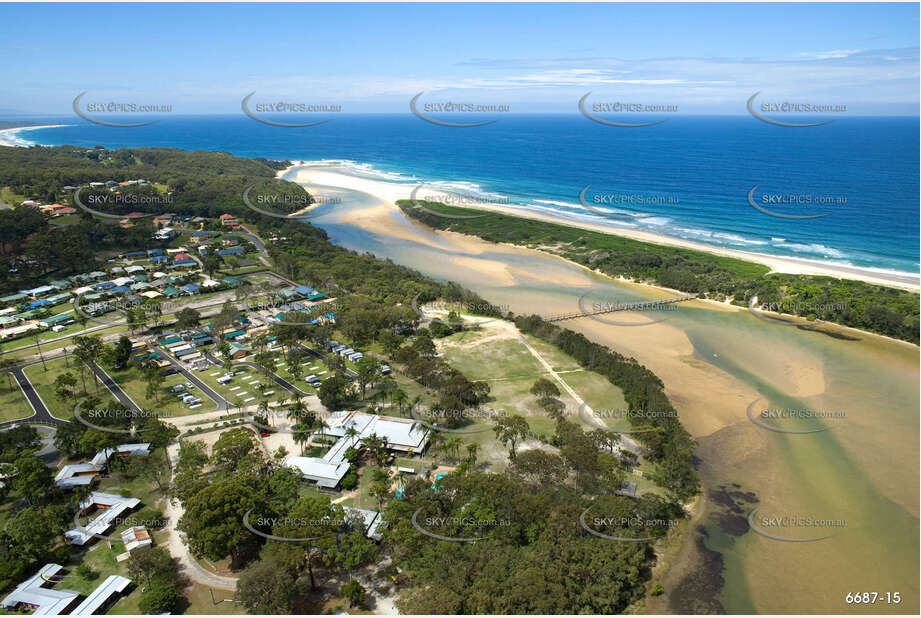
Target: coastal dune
390,192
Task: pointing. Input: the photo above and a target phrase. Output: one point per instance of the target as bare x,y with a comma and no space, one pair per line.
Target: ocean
716,180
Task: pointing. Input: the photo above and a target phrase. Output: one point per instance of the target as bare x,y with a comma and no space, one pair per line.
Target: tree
213,519
231,447
147,563
212,263
511,430
160,598
33,480
332,391
88,349
380,486
368,370
122,353
265,588
65,387
187,318
353,592
545,388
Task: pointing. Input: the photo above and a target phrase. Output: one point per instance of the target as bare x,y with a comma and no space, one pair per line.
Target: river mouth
715,361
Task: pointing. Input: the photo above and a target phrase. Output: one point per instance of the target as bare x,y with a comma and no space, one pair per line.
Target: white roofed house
103,596
110,506
37,594
405,435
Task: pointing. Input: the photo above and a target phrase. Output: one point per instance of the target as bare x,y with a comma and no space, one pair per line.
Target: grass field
43,377
133,383
13,404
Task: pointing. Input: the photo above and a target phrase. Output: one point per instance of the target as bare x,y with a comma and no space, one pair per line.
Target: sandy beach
7,136
390,192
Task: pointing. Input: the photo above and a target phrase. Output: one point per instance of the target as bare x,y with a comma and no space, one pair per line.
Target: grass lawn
200,601
102,559
364,499
43,381
248,388
67,333
13,404
167,404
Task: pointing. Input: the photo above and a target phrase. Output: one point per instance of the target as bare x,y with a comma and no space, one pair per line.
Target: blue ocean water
694,173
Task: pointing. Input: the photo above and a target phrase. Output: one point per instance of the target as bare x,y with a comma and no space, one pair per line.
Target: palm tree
471,452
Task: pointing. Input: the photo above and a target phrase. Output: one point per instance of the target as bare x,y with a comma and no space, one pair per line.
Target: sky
204,58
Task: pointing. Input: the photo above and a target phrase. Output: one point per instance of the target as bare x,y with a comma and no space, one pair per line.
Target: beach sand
7,135
390,192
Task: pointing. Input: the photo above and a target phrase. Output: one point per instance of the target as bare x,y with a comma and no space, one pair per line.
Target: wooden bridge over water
612,308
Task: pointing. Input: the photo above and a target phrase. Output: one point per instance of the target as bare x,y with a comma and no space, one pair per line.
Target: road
280,381
41,414
222,404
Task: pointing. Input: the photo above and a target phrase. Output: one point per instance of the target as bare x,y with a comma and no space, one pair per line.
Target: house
166,233
164,219
238,350
172,292
103,596
57,299
136,537
60,319
14,298
404,435
42,290
110,506
371,519
17,331
234,251
228,220
61,284
76,475
37,594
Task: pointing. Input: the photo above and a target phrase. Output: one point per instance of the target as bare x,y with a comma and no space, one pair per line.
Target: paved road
280,381
320,356
114,388
41,414
222,404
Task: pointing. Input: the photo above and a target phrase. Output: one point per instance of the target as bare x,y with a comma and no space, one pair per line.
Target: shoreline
379,219
390,192
5,140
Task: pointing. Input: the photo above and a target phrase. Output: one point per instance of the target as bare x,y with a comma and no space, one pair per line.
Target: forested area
879,309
